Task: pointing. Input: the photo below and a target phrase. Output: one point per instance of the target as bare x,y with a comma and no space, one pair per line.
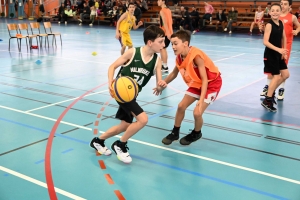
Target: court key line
27,111
168,149
40,183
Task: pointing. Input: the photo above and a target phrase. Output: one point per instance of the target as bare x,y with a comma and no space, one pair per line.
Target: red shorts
212,92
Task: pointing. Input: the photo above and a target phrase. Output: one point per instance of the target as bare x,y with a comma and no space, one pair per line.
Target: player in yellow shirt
124,25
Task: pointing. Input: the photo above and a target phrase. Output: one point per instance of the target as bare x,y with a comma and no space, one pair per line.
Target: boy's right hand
111,90
283,51
117,35
162,83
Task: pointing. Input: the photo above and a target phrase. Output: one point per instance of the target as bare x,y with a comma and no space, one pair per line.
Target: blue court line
39,161
44,131
163,112
210,178
68,150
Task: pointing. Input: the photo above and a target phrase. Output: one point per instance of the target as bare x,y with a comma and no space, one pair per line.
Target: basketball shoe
99,145
268,103
120,148
189,138
280,96
265,91
170,138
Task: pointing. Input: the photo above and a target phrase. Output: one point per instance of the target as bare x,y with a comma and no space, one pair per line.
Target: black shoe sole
266,107
169,143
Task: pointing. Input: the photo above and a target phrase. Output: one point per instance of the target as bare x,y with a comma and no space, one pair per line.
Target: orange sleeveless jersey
288,26
190,72
168,15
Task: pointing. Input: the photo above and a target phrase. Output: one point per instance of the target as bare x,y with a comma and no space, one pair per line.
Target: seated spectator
186,20
143,5
208,13
137,13
93,15
232,17
267,9
258,19
114,16
85,13
221,19
69,13
62,17
195,17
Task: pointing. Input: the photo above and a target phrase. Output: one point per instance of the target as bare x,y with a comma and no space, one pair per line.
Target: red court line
102,164
99,115
96,123
97,153
109,179
95,131
48,172
119,195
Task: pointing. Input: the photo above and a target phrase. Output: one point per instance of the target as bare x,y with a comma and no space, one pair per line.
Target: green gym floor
53,101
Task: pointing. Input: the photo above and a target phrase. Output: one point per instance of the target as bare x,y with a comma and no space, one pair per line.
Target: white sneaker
66,22
225,29
194,32
280,96
230,32
80,24
120,148
80,20
91,24
98,144
59,22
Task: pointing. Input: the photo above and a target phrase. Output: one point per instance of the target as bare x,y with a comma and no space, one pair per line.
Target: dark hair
276,4
290,2
152,32
183,35
269,3
130,4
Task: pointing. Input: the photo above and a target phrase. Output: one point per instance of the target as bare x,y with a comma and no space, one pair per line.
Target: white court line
229,57
40,183
63,101
169,149
219,97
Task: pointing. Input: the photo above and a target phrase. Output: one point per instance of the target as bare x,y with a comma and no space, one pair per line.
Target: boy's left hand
162,83
295,32
158,90
140,23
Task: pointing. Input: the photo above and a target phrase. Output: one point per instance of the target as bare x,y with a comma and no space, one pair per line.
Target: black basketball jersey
275,39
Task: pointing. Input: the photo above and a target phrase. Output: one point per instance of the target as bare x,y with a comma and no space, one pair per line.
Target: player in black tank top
274,55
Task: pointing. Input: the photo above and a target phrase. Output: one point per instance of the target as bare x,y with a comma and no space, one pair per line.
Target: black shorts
274,65
167,42
126,109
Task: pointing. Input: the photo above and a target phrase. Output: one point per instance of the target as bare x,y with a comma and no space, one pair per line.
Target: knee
143,119
197,114
285,76
181,107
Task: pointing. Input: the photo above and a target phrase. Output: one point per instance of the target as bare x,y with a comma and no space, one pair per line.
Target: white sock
165,65
268,81
282,85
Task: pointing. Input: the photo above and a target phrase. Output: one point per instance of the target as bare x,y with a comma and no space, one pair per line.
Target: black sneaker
189,138
164,69
268,104
265,91
120,148
170,138
99,145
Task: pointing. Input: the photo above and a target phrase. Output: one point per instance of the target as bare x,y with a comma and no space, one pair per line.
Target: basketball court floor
53,101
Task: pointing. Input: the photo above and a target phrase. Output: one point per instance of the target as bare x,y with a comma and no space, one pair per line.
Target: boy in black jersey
274,55
143,63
